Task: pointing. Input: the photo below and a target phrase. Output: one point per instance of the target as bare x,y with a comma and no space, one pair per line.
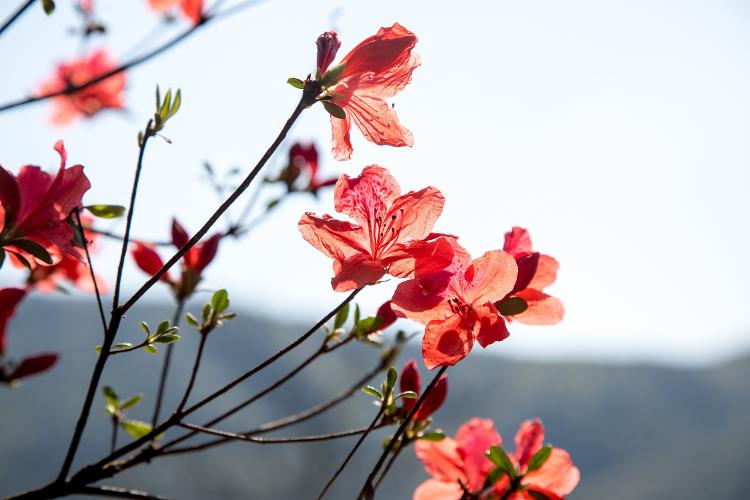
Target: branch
165,365
117,492
14,17
294,439
91,269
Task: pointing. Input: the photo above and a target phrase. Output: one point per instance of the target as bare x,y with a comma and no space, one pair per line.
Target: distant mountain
636,432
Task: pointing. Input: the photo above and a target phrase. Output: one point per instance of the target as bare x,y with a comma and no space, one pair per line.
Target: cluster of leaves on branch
459,300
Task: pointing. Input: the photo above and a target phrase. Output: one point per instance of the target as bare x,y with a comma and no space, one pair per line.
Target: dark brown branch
165,365
14,17
294,439
194,372
117,492
91,270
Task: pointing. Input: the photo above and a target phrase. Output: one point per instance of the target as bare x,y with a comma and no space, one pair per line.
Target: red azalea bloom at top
390,231
193,262
191,9
411,381
377,68
535,272
457,304
34,206
463,459
106,94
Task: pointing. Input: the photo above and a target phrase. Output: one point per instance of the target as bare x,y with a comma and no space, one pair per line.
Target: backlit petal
474,438
529,440
432,489
491,277
542,308
441,459
378,122
490,326
356,272
366,196
336,238
446,341
557,474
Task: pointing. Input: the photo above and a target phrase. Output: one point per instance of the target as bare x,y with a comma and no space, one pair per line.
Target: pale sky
615,131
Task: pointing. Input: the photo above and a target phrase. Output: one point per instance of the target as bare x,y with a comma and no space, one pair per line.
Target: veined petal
529,439
490,327
366,196
441,459
335,238
557,474
341,142
542,309
432,489
446,341
377,121
416,213
517,242
355,272
474,438
388,51
546,273
491,276
411,301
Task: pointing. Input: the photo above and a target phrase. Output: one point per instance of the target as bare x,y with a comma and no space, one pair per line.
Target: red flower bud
147,259
328,44
434,399
180,237
389,317
33,365
410,381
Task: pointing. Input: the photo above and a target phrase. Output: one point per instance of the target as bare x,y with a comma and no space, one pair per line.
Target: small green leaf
220,300
271,204
391,377
106,211
356,314
206,311
332,76
228,316
369,325
495,475
164,110
341,317
539,458
167,339
368,389
498,456
150,349
511,306
162,326
33,248
191,319
22,260
433,436
158,97
110,409
48,6
296,83
407,395
122,345
144,327
136,428
334,110
176,104
110,395
131,402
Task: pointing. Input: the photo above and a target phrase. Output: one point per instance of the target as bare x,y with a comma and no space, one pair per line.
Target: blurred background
614,131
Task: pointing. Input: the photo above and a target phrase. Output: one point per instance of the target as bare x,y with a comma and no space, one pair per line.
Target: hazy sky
615,131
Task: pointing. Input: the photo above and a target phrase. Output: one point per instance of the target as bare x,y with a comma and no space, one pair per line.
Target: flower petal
410,381
9,300
446,341
517,242
147,260
411,301
542,308
491,277
416,213
529,440
341,142
490,326
367,196
546,273
33,365
377,121
386,55
432,489
557,474
434,400
474,438
441,459
356,272
335,238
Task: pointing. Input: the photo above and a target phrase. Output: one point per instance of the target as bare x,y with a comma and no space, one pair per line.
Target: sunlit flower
106,94
389,235
376,69
191,9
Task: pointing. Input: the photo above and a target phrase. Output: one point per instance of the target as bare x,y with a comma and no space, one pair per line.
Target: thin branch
391,460
113,441
165,365
283,440
359,442
119,237
368,486
117,492
72,89
14,17
77,213
194,372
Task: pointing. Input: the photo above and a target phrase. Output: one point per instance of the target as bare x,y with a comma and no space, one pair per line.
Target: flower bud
434,399
328,45
410,381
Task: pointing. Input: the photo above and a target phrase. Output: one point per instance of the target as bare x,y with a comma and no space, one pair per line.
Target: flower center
459,307
384,232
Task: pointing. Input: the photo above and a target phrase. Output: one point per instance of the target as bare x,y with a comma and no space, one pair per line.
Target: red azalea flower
457,304
386,314
462,461
193,262
191,9
303,158
535,272
106,94
411,381
390,231
9,300
34,207
377,68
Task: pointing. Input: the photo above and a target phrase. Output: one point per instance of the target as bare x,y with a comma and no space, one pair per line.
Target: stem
194,373
283,440
391,460
368,486
113,442
303,103
91,269
351,454
14,17
165,365
117,492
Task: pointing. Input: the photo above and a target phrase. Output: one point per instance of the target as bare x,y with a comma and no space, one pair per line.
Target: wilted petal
432,489
446,341
557,474
529,439
473,439
542,308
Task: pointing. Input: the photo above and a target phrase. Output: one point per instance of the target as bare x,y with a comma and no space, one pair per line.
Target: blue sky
615,131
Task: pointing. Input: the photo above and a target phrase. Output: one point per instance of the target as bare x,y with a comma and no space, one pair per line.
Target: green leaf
176,104
495,475
122,345
164,110
48,6
132,401
191,319
220,300
110,395
271,204
33,248
98,349
433,436
144,327
369,325
368,389
158,97
296,83
511,306
22,260
537,495
167,339
150,349
341,317
163,326
110,409
332,76
228,316
334,110
136,428
106,211
498,456
391,377
539,458
356,314
407,395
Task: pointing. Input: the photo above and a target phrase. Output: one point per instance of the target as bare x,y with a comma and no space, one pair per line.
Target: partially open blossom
459,463
106,94
535,272
457,304
378,68
386,314
34,206
191,9
390,233
193,262
328,45
303,159
411,381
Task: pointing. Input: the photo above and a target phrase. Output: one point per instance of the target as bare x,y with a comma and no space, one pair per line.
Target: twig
117,492
77,213
194,373
14,17
283,440
165,365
